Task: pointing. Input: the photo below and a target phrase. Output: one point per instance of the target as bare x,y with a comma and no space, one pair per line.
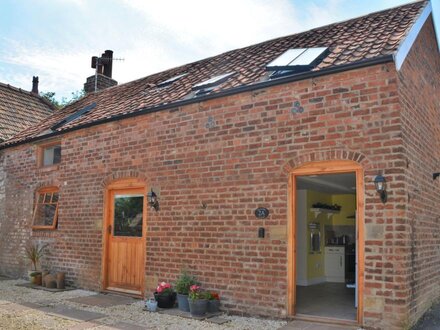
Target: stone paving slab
72,313
302,325
103,300
33,305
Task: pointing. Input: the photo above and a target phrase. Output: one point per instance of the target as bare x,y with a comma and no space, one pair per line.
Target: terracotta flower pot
38,279
61,280
35,278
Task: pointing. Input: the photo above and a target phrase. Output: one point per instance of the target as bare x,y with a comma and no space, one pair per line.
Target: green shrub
184,282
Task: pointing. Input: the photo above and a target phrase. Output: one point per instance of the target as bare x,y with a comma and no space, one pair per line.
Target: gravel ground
11,318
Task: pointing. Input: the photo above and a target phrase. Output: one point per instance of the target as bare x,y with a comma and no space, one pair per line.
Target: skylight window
297,60
212,82
171,80
283,61
73,116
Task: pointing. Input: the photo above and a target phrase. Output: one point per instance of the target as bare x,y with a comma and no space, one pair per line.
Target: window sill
44,234
49,168
43,228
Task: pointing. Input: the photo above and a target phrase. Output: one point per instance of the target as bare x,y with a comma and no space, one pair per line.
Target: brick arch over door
47,183
121,175
328,155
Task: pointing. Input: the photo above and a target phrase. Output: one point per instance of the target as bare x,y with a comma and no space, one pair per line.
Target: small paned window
46,209
128,217
52,155
49,154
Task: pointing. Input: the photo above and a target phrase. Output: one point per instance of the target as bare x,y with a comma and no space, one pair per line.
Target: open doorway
326,245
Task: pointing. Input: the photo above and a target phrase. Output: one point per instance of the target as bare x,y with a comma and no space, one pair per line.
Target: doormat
39,287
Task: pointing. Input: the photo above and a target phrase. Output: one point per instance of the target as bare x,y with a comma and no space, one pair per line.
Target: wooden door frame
121,184
317,168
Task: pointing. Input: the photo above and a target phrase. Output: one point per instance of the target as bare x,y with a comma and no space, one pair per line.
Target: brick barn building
267,164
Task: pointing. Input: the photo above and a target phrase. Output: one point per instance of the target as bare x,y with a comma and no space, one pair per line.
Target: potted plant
182,285
165,295
213,302
198,304
34,252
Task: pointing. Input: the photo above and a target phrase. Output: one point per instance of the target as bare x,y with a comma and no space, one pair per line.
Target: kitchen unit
335,264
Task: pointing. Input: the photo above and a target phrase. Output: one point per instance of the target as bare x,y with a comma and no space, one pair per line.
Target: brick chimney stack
103,75
35,85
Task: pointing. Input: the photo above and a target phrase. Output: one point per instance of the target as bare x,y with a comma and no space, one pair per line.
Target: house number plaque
261,213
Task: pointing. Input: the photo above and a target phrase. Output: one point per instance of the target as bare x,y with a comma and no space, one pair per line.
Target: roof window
73,116
296,60
207,86
171,80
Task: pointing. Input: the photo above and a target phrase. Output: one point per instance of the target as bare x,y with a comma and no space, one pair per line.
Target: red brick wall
419,93
233,167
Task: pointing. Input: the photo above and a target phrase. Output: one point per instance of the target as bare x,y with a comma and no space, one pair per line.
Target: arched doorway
319,240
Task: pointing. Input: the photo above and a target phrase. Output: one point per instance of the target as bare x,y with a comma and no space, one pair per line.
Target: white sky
55,39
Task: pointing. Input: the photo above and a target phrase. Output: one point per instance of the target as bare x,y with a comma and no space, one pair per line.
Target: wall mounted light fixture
153,201
381,187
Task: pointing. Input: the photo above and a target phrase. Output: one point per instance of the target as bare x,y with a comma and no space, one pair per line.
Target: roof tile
20,109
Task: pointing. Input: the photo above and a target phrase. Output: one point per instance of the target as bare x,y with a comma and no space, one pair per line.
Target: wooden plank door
126,240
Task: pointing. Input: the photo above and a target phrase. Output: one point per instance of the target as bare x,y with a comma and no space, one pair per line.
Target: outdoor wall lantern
153,201
381,183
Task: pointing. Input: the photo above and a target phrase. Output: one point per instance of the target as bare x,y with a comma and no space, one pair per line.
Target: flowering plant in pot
165,295
182,285
213,302
198,303
34,252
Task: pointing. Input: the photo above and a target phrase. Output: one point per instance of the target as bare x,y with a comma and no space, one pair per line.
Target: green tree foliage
50,96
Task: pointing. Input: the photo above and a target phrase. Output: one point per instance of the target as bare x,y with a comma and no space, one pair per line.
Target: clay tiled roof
367,37
19,110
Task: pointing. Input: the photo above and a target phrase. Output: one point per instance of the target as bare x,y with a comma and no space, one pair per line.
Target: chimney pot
103,74
35,85
108,63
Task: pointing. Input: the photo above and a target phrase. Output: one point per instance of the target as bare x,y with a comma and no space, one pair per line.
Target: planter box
165,301
182,302
198,307
213,306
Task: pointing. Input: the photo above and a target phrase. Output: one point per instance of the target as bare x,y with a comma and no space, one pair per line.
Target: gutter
231,91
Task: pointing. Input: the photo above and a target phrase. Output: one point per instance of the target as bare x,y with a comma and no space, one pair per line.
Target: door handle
109,229
340,261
